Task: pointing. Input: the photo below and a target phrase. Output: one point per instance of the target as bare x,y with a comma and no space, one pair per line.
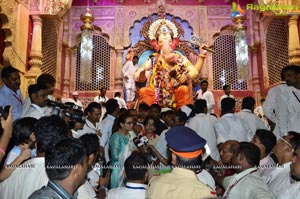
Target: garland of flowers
164,81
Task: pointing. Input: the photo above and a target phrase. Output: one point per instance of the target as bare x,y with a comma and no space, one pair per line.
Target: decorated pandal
165,27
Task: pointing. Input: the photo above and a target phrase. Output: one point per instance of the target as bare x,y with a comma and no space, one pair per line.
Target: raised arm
198,66
144,68
7,131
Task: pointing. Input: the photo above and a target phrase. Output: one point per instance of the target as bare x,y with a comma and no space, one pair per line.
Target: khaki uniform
180,183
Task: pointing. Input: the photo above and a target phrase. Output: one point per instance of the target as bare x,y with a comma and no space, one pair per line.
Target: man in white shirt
287,177
45,80
112,111
136,175
230,126
227,91
203,125
91,124
289,102
248,117
246,183
271,106
32,175
260,113
259,109
77,122
121,101
38,98
74,100
101,98
283,151
206,95
290,182
265,141
87,190
128,71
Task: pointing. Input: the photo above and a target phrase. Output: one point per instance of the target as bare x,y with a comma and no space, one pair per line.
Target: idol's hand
202,50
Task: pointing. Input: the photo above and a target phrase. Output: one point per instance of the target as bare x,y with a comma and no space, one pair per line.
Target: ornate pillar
36,55
67,75
118,70
255,75
294,45
253,48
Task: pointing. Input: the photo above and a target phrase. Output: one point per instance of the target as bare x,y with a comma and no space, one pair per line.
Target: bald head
228,149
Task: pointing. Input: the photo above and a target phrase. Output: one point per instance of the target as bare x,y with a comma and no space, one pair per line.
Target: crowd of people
54,150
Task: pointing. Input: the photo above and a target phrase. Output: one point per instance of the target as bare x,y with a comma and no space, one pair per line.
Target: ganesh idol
168,73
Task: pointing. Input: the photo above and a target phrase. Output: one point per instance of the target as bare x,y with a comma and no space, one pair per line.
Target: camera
67,107
141,143
71,105
78,116
4,111
56,107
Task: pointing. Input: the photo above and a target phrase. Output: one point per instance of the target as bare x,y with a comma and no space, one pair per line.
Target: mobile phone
4,111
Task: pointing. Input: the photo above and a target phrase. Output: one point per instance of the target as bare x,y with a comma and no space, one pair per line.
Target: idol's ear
175,43
155,45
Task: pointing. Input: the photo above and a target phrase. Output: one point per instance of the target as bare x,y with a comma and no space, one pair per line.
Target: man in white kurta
289,102
107,124
289,111
271,104
290,182
128,71
250,185
230,126
246,183
121,101
74,100
203,125
247,115
283,150
206,95
38,99
251,119
285,184
227,91
102,99
92,124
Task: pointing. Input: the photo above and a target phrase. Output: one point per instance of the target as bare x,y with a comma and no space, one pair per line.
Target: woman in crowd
121,145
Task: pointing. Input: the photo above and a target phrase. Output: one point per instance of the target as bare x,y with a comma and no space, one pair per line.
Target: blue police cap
184,139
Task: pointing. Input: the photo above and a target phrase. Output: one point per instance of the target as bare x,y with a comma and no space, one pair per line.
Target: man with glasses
292,181
283,151
286,183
